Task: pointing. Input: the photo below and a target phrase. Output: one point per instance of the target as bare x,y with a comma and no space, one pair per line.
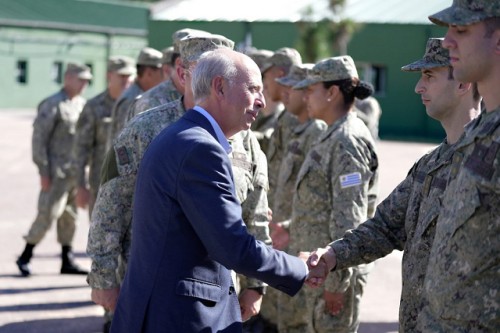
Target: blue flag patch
350,179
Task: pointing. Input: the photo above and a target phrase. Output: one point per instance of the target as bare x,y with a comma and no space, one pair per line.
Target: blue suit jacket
187,234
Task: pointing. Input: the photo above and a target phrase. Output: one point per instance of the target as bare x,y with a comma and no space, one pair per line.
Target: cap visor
454,15
305,83
421,64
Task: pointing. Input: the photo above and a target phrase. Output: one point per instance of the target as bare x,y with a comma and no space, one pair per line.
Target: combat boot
23,262
68,264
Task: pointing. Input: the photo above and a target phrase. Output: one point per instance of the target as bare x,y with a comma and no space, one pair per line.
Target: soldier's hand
82,197
279,235
320,263
250,302
334,302
45,183
325,253
107,298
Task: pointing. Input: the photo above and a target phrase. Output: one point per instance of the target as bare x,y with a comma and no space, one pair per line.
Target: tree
325,38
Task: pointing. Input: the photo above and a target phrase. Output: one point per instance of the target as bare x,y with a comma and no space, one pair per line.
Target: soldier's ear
463,88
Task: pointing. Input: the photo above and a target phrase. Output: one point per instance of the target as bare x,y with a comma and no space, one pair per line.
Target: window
22,72
376,75
57,72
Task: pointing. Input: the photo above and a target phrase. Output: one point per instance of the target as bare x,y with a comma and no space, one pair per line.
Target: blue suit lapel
200,120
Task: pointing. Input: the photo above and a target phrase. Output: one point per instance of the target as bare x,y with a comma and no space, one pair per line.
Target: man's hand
320,263
82,197
45,182
107,298
334,302
250,302
279,235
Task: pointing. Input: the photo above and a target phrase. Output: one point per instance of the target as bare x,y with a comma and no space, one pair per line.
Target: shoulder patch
350,180
122,155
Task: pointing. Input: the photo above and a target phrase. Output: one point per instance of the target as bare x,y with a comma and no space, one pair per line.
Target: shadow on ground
65,325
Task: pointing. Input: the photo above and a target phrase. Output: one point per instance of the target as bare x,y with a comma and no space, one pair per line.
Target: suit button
231,290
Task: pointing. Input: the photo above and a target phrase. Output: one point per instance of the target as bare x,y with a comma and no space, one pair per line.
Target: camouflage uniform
335,191
277,148
53,135
109,233
148,57
405,220
461,284
92,131
264,125
324,207
119,114
163,93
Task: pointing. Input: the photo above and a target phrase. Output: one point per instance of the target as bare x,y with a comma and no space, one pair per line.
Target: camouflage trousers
292,313
347,321
57,204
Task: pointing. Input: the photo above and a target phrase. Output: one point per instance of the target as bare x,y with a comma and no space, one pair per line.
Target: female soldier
335,189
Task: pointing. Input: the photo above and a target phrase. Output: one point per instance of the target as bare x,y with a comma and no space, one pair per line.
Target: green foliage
325,38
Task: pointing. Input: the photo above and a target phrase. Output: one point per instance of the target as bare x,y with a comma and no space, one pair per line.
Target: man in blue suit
188,231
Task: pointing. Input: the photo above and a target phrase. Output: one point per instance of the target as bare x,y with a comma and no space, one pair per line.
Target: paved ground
52,303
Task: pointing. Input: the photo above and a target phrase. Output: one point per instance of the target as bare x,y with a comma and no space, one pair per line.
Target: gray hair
211,64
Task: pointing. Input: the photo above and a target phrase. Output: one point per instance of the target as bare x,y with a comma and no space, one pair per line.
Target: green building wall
389,46
42,48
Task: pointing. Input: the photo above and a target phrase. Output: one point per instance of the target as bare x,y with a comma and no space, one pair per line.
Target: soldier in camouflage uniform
92,130
290,309
109,235
335,189
168,90
462,281
278,65
149,74
263,126
406,219
53,134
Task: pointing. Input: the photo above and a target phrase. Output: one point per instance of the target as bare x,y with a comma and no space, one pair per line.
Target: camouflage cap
191,48
150,57
465,12
168,52
435,56
330,69
297,73
285,57
122,65
80,70
260,56
180,34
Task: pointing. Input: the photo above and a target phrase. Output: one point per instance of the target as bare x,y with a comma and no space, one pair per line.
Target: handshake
320,262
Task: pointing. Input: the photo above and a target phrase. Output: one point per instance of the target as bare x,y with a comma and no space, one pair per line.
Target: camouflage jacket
92,131
53,134
161,94
119,113
405,220
263,127
332,190
462,280
285,123
302,136
110,228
